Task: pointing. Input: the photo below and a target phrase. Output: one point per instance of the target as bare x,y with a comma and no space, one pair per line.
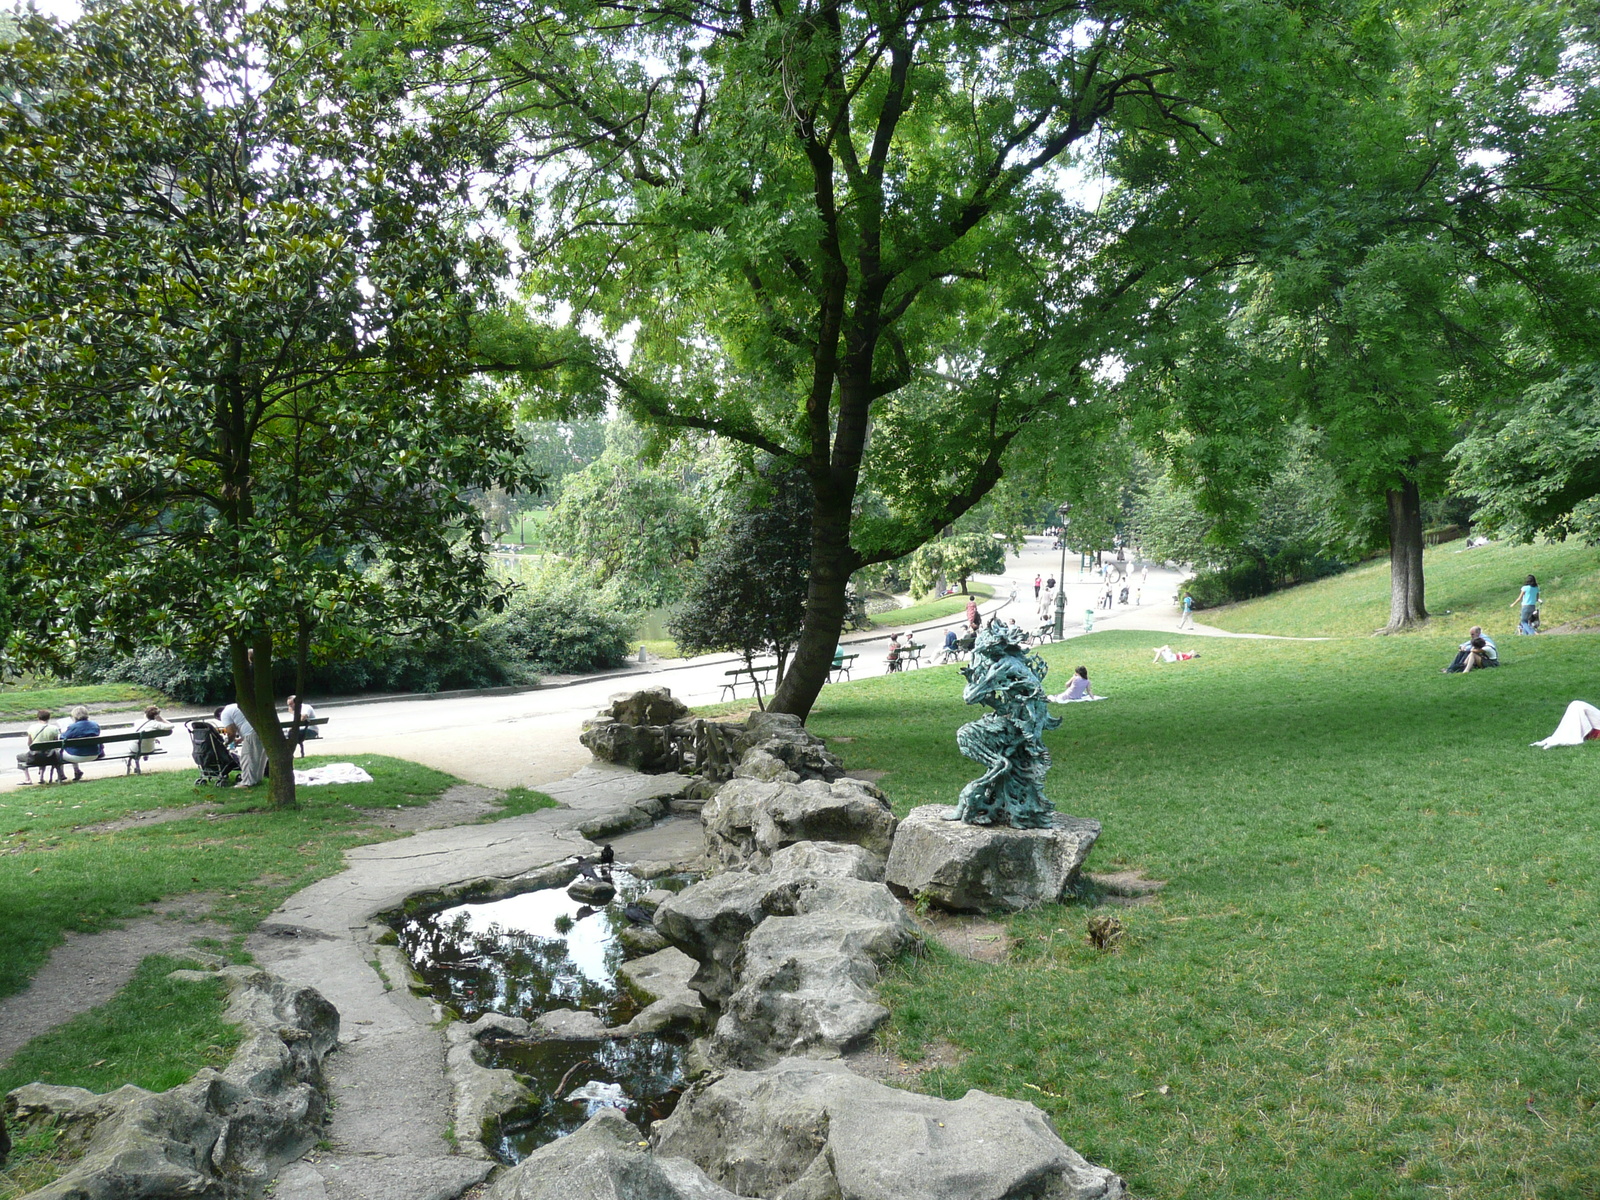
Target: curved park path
392,1112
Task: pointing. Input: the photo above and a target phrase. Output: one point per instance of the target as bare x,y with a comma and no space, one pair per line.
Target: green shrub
1247,580
559,627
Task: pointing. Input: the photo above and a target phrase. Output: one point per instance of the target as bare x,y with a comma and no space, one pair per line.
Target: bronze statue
1008,741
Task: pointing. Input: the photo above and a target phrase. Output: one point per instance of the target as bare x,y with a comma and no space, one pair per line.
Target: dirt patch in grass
155,816
869,775
459,805
90,968
878,1064
1124,889
978,938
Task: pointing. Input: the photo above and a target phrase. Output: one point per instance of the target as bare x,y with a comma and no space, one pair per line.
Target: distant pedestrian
1187,620
972,610
1037,583
1528,598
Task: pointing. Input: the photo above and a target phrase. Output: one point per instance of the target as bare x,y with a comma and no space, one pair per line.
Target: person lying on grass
1168,654
1078,688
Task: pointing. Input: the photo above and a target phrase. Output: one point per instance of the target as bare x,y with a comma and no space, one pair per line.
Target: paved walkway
392,1101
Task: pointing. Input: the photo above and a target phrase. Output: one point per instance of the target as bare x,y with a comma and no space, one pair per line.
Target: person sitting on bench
894,652
81,727
47,761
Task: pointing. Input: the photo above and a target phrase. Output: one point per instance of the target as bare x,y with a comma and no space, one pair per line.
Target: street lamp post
1061,580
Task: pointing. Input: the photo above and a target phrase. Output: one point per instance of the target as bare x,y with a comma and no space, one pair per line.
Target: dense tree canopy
858,236
238,292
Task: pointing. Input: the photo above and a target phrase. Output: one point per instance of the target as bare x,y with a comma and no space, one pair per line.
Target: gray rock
640,940
604,1161
483,1094
806,985
710,920
497,1025
663,980
592,891
749,820
220,1134
646,748
782,736
570,1025
986,868
647,706
837,859
760,764
655,898
811,1129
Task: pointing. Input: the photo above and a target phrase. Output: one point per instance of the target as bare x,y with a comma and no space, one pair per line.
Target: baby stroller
211,754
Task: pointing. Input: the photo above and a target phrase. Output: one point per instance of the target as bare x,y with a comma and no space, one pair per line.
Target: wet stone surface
535,953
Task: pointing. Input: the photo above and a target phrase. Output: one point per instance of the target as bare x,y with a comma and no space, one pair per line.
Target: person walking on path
972,610
1528,598
1187,620
1037,583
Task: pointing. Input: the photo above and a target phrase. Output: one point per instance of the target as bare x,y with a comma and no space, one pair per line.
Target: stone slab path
390,1126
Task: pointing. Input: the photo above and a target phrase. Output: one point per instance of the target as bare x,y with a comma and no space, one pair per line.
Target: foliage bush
1247,580
560,627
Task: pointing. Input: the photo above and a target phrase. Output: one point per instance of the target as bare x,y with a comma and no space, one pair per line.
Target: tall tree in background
749,592
1383,310
239,294
855,235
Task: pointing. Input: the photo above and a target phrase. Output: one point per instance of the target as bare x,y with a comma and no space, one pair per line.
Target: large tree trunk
1405,558
252,683
832,561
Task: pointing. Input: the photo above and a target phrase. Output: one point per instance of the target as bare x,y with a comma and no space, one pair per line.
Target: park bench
306,731
755,676
128,742
911,655
842,666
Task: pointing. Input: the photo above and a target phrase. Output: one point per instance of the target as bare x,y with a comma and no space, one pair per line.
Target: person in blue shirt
81,727
1528,598
1188,612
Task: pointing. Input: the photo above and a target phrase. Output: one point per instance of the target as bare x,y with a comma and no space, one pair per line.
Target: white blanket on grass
331,773
1577,723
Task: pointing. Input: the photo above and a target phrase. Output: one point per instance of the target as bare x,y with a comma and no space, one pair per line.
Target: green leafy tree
631,524
240,286
749,593
956,558
854,237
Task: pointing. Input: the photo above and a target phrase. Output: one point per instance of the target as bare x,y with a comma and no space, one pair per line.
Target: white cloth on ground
331,773
1577,723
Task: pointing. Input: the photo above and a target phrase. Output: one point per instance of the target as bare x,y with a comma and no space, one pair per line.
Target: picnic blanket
1580,722
331,773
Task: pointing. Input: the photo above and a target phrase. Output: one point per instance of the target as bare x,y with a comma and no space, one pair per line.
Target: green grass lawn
19,704
1462,588
55,876
932,610
1377,941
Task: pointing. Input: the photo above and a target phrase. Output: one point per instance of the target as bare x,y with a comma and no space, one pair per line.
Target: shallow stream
529,954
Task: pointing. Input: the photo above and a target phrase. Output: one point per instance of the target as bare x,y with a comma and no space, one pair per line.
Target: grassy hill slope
1463,588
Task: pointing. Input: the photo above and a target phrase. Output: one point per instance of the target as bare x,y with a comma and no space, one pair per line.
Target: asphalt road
531,737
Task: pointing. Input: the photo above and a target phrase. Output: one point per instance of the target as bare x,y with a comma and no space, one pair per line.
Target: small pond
543,950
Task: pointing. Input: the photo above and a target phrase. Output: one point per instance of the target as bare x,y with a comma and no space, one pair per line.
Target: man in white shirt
236,728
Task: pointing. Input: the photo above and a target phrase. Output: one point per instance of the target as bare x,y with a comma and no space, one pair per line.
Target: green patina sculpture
1008,741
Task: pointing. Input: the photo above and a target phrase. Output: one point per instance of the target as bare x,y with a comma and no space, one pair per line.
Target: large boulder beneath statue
604,1161
748,820
804,1129
806,986
986,868
710,920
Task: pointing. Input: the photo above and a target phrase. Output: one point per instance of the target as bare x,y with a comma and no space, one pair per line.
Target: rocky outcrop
986,868
805,1130
782,739
663,980
604,1161
711,920
220,1135
806,984
483,1095
748,820
634,730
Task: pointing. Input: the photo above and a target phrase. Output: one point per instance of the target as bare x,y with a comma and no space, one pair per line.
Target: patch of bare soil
1125,889
973,937
1588,624
88,969
155,816
459,805
867,774
879,1065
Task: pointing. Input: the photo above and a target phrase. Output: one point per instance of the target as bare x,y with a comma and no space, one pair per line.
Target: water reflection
539,951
